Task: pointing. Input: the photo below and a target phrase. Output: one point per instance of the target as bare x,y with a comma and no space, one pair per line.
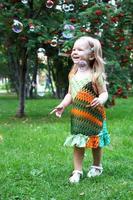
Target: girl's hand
58,110
96,102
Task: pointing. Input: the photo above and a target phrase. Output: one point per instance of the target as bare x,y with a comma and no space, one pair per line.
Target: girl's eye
77,49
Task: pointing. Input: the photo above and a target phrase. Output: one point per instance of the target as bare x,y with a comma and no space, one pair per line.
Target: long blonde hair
97,64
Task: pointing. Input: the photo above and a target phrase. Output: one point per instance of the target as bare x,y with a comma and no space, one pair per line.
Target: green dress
88,125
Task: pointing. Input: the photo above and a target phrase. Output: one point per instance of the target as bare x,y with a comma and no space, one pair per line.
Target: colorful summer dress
88,125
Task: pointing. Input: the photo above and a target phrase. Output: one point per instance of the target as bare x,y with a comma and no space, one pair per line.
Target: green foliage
35,165
111,24
119,80
3,64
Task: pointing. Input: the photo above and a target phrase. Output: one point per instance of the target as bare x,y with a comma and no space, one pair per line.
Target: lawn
34,164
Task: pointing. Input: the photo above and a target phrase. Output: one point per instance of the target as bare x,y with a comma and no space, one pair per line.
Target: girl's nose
75,51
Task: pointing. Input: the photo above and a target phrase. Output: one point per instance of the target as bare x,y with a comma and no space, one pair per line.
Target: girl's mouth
75,58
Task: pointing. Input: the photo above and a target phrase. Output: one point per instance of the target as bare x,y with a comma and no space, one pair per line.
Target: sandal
75,177
95,171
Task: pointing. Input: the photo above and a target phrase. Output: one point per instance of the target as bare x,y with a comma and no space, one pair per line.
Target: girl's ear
92,56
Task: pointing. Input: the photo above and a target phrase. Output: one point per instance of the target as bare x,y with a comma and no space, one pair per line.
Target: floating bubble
41,53
41,50
49,4
71,7
85,2
32,27
54,42
17,26
69,27
67,35
68,31
24,1
68,7
65,7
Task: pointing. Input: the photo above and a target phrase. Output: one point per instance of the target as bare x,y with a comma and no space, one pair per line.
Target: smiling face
81,51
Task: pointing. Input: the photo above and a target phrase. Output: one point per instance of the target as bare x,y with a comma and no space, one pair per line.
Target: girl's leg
97,156
96,168
78,158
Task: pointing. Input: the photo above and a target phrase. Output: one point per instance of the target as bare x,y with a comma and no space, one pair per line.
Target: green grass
34,165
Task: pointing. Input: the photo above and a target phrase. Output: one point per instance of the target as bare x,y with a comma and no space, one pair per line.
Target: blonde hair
97,64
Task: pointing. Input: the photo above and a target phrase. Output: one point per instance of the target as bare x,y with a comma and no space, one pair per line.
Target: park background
35,45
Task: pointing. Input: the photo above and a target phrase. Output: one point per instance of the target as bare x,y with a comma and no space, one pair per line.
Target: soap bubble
32,27
17,26
71,7
49,4
65,7
41,50
68,31
68,7
24,1
41,53
82,63
54,42
85,2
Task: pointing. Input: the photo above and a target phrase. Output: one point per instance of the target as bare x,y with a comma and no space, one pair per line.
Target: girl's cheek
81,54
84,54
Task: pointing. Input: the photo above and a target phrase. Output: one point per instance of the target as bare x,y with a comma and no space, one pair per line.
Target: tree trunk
33,92
60,77
49,74
22,84
13,65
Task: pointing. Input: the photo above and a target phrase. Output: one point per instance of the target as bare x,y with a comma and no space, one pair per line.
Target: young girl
87,92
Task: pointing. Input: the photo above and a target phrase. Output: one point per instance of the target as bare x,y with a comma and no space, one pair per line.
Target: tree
22,33
43,24
111,24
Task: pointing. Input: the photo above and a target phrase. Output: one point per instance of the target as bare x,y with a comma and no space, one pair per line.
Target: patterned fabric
88,125
100,140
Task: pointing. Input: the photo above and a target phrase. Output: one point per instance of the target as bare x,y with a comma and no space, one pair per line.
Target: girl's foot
75,177
95,171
